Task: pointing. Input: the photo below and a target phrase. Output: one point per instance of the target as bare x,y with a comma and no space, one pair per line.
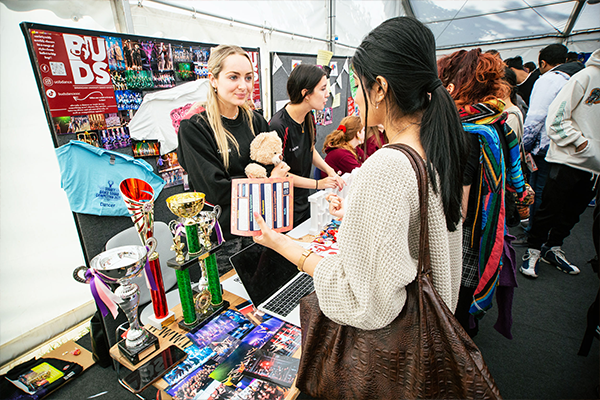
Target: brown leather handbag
424,353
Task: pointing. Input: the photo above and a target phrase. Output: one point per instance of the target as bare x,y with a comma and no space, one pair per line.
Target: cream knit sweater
364,285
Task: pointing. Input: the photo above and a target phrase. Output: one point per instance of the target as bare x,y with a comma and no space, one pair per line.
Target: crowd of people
484,126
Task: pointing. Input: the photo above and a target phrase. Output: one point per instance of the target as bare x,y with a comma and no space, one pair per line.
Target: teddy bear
266,148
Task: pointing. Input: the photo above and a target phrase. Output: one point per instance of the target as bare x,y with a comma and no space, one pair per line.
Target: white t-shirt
161,112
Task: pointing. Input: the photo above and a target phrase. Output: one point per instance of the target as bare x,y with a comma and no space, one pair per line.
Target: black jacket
199,155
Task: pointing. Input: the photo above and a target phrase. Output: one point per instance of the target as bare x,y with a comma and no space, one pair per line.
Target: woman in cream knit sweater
364,285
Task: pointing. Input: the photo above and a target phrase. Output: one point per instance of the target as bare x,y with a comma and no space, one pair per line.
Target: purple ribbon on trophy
105,299
218,232
150,281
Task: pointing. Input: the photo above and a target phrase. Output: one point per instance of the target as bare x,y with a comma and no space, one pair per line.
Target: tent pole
331,25
122,14
408,10
573,18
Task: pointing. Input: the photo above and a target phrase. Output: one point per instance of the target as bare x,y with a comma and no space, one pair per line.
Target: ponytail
402,50
446,146
309,126
339,138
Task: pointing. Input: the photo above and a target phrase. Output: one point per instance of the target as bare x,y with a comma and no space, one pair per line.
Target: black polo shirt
297,153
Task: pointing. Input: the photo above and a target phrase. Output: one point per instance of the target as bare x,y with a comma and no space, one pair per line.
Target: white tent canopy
40,246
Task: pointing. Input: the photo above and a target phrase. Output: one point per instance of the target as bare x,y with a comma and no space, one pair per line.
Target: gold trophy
198,311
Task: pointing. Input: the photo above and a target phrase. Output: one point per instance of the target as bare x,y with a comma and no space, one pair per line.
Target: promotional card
273,198
281,370
226,322
286,341
193,383
263,332
230,371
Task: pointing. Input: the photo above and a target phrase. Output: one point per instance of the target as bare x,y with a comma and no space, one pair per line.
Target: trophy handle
77,276
173,226
151,243
217,209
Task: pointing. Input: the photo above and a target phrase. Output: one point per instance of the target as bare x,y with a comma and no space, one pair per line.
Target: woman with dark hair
365,284
514,113
294,123
475,82
341,146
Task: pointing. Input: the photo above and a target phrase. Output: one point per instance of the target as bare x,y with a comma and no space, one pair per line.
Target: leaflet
273,198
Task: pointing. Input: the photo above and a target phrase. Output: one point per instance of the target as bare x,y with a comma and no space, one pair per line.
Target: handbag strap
421,171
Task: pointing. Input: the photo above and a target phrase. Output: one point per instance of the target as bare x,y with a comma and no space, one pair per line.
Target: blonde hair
213,113
340,138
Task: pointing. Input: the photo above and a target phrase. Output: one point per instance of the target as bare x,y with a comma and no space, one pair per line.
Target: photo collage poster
94,83
231,358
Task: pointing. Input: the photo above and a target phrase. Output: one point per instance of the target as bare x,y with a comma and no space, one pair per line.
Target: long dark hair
304,76
511,78
402,50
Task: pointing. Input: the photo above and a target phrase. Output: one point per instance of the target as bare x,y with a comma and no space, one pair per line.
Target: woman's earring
377,105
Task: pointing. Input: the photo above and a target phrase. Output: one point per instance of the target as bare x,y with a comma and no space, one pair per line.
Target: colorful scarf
487,121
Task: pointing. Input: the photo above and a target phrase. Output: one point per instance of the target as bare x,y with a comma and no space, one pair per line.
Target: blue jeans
537,181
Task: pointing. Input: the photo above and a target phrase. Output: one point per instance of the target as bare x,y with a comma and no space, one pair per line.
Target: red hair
348,129
476,76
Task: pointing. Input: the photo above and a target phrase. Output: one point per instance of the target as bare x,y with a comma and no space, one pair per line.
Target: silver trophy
120,265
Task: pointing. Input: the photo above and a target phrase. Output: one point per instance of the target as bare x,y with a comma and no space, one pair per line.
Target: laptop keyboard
288,299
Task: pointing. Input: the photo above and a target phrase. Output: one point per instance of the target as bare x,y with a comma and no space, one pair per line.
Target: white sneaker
531,260
556,256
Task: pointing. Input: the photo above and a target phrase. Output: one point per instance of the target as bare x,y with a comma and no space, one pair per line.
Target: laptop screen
262,271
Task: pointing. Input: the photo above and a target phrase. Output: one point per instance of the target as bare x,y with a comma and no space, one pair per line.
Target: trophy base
204,318
134,356
192,259
159,323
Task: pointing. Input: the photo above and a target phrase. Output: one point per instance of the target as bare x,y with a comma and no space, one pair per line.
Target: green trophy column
214,285
193,242
185,294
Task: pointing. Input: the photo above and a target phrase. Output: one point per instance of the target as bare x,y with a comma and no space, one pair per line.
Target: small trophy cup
196,312
120,265
139,198
207,221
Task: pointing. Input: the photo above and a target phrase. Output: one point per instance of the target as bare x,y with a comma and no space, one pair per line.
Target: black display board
279,78
146,62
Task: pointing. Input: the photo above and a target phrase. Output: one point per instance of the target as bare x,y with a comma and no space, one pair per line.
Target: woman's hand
269,238
280,170
336,205
338,179
331,183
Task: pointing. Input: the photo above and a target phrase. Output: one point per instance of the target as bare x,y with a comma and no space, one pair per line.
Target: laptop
274,285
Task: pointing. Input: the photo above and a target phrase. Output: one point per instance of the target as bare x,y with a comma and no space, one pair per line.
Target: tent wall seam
518,39
495,12
250,24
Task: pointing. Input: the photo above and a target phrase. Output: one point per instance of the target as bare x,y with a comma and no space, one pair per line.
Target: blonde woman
214,144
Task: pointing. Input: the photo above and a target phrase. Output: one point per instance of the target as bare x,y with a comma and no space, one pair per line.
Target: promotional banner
75,73
256,93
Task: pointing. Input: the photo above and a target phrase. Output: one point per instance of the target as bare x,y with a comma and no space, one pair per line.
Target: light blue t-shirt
91,176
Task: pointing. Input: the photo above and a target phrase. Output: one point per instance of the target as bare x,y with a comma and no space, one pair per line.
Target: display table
173,335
